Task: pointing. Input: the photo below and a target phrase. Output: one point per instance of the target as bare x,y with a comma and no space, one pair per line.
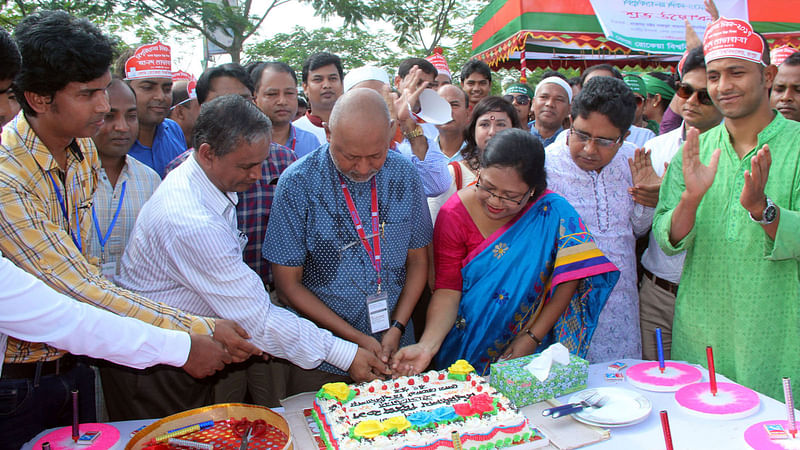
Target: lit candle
665,428
787,395
712,376
660,345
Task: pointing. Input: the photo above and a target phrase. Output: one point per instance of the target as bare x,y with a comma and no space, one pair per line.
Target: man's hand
753,198
411,360
646,183
389,343
711,9
233,338
206,356
409,94
697,176
366,367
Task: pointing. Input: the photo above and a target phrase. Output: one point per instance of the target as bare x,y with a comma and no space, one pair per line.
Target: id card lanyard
373,251
377,304
76,237
103,239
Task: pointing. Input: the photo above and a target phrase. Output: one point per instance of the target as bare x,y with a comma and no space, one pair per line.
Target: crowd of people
220,239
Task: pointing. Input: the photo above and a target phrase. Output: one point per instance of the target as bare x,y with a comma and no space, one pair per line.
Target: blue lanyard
76,239
100,237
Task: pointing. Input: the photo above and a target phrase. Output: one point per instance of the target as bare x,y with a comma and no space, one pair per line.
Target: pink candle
787,395
712,376
665,428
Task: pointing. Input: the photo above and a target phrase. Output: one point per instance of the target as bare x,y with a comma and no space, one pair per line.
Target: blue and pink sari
512,272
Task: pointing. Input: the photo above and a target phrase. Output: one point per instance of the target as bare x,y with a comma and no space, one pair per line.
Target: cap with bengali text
149,61
779,54
180,75
732,38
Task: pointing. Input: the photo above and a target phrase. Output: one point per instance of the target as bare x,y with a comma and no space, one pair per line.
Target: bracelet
533,336
415,133
399,326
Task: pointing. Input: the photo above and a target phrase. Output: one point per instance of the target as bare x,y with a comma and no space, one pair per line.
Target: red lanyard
293,134
376,237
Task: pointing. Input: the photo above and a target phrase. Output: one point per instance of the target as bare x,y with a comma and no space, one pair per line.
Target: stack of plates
622,407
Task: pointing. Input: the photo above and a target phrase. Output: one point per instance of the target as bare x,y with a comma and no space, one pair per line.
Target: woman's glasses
685,91
517,202
520,99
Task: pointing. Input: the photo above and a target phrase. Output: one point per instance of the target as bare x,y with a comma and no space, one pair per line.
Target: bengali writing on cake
405,399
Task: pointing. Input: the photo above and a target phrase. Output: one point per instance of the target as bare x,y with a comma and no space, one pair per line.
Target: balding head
359,132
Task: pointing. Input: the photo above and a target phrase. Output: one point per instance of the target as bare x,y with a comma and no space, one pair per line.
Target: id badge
378,308
109,270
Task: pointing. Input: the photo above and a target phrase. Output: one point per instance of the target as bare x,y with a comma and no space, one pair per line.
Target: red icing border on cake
325,425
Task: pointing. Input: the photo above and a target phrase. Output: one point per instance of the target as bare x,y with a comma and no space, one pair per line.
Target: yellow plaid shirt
36,236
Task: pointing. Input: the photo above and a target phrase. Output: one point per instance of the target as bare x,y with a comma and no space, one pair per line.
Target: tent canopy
566,33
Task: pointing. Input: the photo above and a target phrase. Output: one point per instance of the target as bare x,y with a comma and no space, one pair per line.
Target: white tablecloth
688,432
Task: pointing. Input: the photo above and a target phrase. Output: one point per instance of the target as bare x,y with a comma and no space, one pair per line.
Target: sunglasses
685,91
520,99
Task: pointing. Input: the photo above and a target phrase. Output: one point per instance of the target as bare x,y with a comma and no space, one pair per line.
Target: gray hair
226,121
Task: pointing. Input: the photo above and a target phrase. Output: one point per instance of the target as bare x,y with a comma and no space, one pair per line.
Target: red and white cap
732,38
779,54
182,76
191,88
438,61
149,61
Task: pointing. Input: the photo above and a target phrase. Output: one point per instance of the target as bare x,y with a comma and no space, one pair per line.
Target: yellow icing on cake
399,423
339,390
368,429
461,367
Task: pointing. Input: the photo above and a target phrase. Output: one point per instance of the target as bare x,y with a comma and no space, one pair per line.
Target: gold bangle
533,336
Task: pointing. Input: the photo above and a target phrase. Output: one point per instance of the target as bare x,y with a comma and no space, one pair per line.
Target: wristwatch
397,324
416,132
769,215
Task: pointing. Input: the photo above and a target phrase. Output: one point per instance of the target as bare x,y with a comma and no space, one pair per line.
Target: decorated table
689,431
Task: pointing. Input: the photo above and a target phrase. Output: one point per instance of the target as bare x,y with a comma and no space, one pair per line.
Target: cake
426,411
516,382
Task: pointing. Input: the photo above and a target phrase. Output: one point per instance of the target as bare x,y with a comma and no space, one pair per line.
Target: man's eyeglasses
685,91
500,197
584,138
520,99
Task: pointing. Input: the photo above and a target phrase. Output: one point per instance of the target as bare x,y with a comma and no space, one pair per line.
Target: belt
662,283
16,371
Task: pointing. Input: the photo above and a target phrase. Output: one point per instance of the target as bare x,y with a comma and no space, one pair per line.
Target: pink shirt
454,237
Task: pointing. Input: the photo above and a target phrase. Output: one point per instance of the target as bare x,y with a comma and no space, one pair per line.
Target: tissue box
515,382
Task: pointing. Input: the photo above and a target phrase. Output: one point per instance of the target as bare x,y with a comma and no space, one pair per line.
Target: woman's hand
522,345
411,360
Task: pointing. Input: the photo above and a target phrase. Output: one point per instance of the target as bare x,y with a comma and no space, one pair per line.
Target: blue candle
660,346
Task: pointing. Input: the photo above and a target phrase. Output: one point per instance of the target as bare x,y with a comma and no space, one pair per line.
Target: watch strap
399,326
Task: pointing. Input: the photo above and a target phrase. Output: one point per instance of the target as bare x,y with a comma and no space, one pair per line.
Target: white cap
555,80
365,73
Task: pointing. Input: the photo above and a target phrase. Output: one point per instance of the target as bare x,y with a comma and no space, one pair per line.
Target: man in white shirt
659,285
34,312
322,83
186,249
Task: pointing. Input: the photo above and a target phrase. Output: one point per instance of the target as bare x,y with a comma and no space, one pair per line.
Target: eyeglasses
685,91
520,99
584,138
500,197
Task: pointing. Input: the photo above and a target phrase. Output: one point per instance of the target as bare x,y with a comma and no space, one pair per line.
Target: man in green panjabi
731,199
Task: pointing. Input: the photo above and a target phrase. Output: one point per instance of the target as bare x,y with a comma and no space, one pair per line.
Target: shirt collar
209,194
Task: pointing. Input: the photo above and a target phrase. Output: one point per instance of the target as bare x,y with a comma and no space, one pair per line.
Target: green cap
636,84
656,86
519,88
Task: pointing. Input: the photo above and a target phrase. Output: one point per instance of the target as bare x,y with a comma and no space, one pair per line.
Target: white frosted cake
426,411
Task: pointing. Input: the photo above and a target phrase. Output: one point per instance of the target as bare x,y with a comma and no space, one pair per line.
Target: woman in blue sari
516,269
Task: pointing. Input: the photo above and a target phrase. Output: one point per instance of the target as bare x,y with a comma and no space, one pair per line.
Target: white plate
622,407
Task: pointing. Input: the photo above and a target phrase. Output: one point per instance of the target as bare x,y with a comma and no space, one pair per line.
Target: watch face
770,213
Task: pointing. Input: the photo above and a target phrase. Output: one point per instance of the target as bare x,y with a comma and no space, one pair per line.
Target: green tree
233,19
355,46
11,12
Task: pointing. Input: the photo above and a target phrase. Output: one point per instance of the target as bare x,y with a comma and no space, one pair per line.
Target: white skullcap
365,73
555,80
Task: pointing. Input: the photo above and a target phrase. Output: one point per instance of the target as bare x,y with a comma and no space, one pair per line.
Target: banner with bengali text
657,26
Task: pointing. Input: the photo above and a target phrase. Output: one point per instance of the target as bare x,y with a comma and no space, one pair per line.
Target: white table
688,432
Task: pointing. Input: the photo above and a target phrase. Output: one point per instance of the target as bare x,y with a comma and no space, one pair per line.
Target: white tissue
540,365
